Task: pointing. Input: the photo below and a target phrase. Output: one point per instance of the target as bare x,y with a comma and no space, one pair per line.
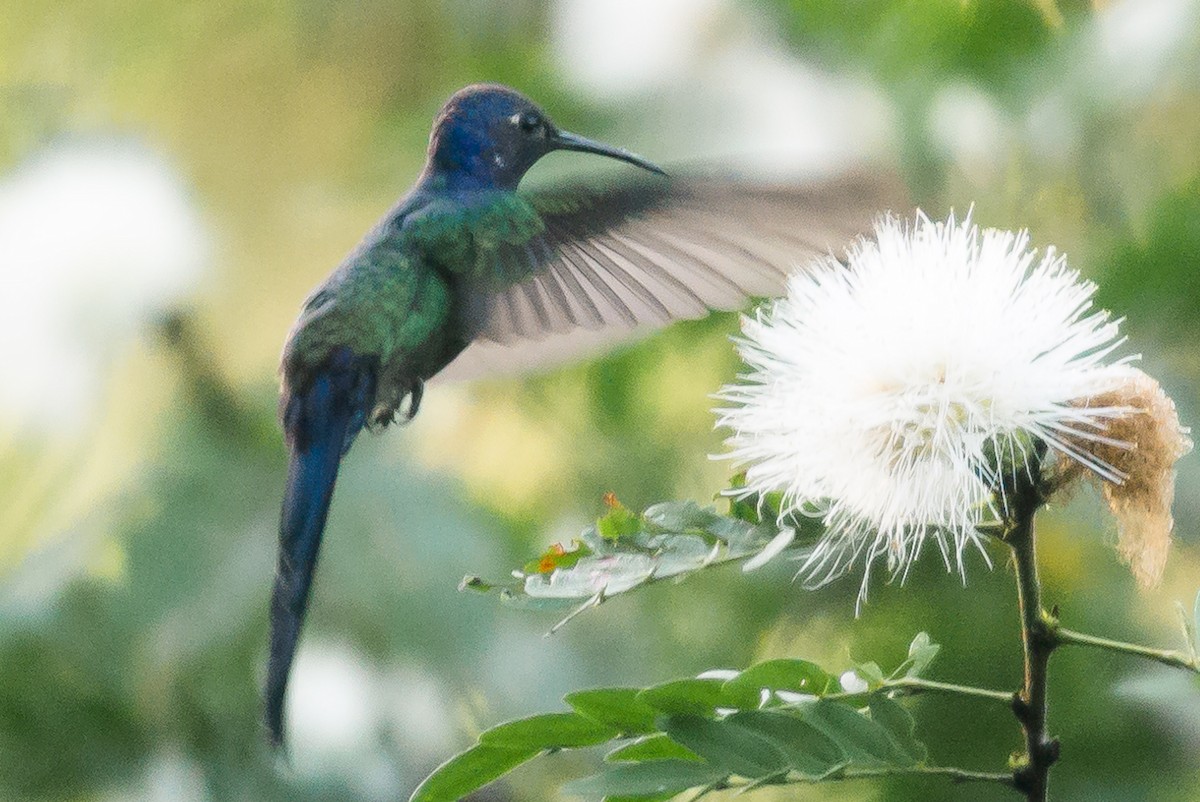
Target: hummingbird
470,274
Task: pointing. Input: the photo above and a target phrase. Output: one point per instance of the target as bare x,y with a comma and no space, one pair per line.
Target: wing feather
616,262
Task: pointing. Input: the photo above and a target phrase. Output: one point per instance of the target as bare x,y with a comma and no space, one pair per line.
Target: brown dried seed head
1142,445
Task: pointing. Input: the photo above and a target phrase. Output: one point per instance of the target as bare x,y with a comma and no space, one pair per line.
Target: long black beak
564,140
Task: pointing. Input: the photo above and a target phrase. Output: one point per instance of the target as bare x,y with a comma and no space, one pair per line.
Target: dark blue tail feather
320,422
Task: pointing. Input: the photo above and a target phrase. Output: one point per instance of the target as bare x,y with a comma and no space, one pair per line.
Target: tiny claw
415,392
381,418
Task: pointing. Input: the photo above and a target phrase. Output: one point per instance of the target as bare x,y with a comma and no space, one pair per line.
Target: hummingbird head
488,136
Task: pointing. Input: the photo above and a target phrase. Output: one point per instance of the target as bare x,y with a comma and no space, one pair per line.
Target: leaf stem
1175,659
953,774
915,685
1037,638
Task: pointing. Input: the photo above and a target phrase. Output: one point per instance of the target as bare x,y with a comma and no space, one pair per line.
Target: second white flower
888,394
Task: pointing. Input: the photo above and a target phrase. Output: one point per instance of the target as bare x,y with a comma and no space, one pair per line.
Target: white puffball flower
95,240
880,390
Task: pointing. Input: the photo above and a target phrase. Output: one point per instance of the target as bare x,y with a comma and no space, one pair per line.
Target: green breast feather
470,237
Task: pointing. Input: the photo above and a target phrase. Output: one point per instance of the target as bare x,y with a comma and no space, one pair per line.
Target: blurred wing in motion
618,262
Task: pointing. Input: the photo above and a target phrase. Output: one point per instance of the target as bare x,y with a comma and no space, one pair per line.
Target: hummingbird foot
392,411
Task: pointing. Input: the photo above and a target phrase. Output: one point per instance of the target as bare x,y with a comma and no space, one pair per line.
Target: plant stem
953,774
1175,659
1037,637
917,685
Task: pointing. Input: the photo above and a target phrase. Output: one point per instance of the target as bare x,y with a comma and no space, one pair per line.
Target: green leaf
900,725
469,771
557,556
699,697
870,673
641,797
745,510
866,742
619,708
472,582
798,676
610,574
740,536
676,554
807,750
619,523
921,652
520,600
625,550
680,516
755,508
548,731
654,747
740,750
641,779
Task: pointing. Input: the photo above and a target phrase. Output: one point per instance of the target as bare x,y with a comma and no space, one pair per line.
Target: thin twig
917,685
1175,659
593,601
953,774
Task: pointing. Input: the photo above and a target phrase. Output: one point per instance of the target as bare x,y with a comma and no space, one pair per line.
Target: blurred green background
175,176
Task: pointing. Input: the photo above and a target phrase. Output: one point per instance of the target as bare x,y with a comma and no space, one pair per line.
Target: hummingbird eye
529,122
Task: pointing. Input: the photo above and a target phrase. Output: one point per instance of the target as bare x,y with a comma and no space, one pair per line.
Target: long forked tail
320,423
